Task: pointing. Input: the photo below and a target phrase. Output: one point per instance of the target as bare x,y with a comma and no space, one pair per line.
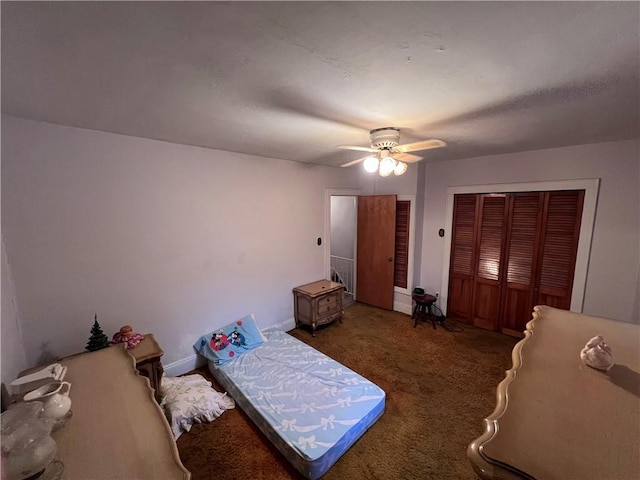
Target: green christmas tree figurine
98,339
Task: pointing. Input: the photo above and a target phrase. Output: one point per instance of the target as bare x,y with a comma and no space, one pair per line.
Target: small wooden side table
317,303
147,354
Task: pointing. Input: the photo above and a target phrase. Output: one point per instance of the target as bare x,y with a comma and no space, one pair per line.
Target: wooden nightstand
317,303
147,354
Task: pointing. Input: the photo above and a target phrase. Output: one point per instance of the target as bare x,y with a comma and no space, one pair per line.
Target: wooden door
463,240
375,250
511,252
521,257
559,245
488,268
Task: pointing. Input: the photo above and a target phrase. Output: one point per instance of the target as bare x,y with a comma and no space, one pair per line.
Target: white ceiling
293,80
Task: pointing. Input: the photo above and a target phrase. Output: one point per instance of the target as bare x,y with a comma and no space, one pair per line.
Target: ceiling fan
391,157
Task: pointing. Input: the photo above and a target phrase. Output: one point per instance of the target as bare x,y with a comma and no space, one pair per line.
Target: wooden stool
423,307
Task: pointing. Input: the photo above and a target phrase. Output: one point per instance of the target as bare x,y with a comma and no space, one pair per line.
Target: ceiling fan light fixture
400,168
387,166
390,156
371,164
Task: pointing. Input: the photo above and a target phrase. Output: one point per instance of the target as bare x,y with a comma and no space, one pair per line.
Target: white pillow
190,399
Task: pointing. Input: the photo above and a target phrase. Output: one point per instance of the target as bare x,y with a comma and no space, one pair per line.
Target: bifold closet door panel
463,240
559,239
489,245
521,257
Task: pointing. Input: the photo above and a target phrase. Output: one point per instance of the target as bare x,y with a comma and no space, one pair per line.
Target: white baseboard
285,325
183,366
402,308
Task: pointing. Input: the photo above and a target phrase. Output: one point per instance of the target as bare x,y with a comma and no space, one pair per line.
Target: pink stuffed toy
126,335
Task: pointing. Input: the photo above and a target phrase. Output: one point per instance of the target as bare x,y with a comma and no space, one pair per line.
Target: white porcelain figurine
54,396
597,354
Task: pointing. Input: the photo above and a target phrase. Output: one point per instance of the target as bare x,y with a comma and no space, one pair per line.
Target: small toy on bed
597,354
126,335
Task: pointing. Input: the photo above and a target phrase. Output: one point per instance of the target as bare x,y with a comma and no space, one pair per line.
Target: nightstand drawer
328,303
327,309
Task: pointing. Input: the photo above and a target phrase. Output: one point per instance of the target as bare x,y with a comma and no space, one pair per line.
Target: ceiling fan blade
354,147
422,145
406,157
353,162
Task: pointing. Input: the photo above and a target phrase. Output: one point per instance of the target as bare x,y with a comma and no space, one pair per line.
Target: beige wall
171,239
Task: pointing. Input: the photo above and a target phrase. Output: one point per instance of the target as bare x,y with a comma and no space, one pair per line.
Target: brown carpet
439,385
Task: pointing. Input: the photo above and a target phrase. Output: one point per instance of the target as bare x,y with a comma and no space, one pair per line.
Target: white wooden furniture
555,417
117,430
317,303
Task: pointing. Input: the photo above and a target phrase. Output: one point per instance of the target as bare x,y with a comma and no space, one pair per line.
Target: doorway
342,244
341,228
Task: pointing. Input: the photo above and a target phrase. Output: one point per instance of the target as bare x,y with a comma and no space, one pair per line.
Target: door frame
398,306
590,186
338,192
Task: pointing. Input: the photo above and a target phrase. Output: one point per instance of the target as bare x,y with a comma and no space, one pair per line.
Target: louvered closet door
559,238
521,257
463,240
487,288
511,252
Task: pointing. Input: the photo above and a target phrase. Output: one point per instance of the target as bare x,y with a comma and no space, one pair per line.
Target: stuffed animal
126,335
597,354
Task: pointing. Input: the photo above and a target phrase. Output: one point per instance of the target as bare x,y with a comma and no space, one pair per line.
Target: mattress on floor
309,406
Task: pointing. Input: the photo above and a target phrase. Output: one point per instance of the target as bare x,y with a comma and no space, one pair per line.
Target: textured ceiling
293,80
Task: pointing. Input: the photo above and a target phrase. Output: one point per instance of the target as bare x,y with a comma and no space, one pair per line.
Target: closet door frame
590,187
